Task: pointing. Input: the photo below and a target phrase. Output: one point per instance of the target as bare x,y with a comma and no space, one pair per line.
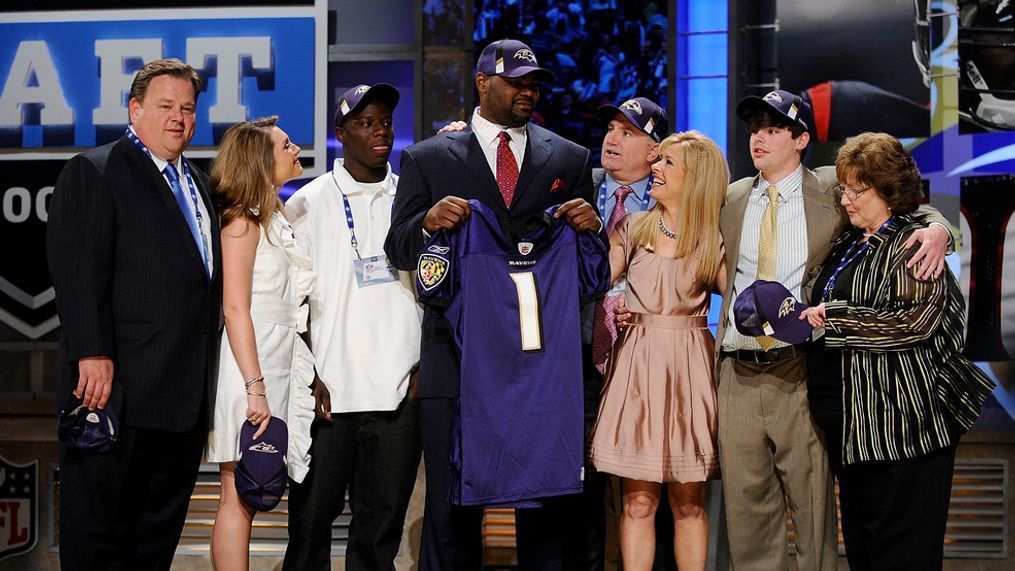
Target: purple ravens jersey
513,303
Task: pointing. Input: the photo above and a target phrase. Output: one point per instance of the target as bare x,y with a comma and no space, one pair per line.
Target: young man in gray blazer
772,455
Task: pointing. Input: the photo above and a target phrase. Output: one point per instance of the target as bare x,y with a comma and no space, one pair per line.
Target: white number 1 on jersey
529,312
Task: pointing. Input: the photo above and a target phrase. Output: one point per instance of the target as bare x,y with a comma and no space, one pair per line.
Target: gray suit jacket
826,219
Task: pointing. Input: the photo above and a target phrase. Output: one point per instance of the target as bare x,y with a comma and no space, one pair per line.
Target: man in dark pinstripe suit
133,247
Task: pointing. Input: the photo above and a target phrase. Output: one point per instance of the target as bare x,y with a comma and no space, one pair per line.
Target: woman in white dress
265,368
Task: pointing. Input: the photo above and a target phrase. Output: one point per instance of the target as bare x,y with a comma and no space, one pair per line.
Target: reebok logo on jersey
438,249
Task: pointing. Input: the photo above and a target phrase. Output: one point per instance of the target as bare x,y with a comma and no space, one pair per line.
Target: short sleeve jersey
513,302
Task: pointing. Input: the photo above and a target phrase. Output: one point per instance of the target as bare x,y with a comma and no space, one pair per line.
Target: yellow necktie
767,239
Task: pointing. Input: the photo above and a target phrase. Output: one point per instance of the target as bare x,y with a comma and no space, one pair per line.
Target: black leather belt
770,356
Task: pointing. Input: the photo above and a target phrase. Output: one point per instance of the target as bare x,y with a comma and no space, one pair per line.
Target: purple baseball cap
261,474
92,430
768,308
643,113
510,58
780,102
356,98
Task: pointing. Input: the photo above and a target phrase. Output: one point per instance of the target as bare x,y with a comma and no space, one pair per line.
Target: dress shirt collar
159,162
639,187
351,186
487,131
788,186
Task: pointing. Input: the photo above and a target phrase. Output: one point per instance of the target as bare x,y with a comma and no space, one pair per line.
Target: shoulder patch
432,270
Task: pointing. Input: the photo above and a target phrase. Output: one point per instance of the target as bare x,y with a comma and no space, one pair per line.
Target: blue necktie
191,217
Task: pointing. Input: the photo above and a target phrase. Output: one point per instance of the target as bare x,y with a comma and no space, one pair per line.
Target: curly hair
880,161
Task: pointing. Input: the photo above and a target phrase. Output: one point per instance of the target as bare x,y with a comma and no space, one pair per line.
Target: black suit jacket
453,164
131,284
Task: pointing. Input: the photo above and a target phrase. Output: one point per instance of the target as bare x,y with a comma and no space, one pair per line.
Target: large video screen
599,51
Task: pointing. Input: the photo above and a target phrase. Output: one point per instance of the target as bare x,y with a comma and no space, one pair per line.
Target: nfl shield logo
19,503
524,248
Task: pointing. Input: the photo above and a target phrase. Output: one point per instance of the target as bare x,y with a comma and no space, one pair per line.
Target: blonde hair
242,174
706,177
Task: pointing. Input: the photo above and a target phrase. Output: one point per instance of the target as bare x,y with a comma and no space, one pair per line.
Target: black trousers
375,455
894,513
125,509
549,537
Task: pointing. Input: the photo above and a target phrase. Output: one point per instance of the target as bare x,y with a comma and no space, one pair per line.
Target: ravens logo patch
432,270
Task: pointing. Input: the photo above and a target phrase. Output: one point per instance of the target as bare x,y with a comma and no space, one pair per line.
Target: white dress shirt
204,227
488,135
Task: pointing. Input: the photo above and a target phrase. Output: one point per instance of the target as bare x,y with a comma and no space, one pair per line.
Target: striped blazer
907,389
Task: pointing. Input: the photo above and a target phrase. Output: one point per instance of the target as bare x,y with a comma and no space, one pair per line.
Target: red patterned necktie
507,169
604,329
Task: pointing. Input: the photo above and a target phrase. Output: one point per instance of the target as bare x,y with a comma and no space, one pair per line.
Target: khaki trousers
772,455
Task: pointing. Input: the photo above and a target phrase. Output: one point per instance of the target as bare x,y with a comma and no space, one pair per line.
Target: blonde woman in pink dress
657,418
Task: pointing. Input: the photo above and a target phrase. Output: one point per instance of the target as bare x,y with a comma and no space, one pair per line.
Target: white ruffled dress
283,278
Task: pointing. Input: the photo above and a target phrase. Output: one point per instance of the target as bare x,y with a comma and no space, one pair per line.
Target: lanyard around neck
193,196
349,221
848,257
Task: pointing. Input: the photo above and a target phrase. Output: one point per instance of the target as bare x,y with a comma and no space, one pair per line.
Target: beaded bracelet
246,384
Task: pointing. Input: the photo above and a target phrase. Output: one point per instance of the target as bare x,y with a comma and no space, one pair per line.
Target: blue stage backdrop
64,82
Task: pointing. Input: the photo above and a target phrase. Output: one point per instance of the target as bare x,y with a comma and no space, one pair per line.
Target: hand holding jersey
515,296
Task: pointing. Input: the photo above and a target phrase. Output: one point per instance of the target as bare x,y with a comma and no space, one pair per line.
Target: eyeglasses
851,193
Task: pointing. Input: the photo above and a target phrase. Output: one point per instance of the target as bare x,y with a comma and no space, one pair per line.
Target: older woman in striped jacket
888,384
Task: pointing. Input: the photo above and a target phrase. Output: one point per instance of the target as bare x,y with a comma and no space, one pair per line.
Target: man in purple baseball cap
634,129
516,169
777,227
366,435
